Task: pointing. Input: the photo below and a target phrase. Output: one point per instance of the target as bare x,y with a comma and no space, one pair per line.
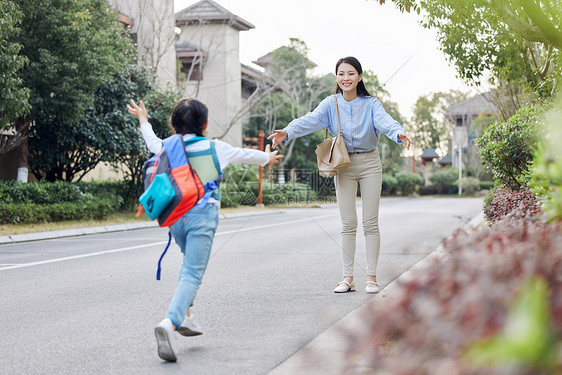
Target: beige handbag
332,154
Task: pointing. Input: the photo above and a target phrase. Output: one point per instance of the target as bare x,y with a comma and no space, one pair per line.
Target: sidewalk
37,236
325,355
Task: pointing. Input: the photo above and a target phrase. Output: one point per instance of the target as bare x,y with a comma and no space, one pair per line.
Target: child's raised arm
138,110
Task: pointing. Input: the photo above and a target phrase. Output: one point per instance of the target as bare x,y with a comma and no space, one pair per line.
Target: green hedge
389,184
30,213
408,182
444,182
486,185
246,193
469,185
40,202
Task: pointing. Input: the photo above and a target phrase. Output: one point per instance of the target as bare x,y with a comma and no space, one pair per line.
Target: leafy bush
41,192
408,181
30,213
507,148
444,181
428,190
389,184
546,176
469,185
246,193
456,316
522,204
486,185
289,193
37,202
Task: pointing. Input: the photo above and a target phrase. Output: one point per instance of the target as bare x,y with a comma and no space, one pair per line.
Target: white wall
220,89
154,24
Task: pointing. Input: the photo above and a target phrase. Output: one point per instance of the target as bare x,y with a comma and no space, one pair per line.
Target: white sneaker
190,327
371,287
166,340
344,287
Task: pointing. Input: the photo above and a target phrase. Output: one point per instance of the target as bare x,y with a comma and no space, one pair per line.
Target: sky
393,45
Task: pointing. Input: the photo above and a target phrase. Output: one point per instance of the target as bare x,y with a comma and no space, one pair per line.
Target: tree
14,97
518,40
73,48
429,127
534,20
105,134
295,91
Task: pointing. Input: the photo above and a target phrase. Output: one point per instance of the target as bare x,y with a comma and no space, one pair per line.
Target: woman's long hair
361,89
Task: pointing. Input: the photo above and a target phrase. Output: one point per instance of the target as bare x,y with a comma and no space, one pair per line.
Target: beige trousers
366,169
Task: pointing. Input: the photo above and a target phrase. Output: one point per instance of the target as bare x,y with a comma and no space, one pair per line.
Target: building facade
152,28
209,65
464,131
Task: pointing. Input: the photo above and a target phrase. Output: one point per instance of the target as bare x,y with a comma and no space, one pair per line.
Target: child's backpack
172,187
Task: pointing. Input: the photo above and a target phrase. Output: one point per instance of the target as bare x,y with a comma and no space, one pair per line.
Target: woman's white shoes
371,287
344,287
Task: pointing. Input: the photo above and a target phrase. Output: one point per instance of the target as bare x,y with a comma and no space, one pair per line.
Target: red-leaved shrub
428,326
522,204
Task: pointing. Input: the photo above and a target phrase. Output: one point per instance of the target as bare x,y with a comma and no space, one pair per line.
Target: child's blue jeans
194,234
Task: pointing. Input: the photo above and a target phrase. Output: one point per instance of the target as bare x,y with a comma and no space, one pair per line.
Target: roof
429,153
472,106
250,73
446,160
209,12
265,60
185,46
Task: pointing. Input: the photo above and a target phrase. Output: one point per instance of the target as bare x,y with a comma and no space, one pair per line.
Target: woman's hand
273,156
138,110
405,139
277,137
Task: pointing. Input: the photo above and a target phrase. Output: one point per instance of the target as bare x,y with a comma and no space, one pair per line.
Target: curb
326,353
38,236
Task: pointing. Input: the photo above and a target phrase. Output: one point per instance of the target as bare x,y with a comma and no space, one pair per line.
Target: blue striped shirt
362,120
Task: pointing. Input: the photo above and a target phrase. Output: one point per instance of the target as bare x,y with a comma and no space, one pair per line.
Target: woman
362,119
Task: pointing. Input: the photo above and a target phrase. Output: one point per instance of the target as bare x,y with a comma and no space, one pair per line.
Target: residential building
152,28
464,130
209,64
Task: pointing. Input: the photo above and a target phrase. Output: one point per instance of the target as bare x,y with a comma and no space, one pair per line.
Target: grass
118,218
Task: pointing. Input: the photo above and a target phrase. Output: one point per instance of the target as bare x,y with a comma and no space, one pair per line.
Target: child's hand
139,111
273,157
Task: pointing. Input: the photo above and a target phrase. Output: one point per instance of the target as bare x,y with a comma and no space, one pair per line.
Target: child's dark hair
361,89
189,116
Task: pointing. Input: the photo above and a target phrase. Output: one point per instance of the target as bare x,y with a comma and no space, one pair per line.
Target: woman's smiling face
348,78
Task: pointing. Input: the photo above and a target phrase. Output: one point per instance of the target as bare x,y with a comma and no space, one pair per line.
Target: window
191,67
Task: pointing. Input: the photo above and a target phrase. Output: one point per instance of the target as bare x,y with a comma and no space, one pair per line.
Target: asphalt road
88,304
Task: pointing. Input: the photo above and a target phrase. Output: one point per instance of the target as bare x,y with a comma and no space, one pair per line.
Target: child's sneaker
166,340
189,327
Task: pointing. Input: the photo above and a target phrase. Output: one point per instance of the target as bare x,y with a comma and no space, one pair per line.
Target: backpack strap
211,186
193,140
162,256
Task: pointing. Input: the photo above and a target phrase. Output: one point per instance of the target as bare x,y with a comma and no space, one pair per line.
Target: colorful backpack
172,187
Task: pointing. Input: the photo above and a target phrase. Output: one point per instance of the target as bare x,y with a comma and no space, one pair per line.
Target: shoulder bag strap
338,114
